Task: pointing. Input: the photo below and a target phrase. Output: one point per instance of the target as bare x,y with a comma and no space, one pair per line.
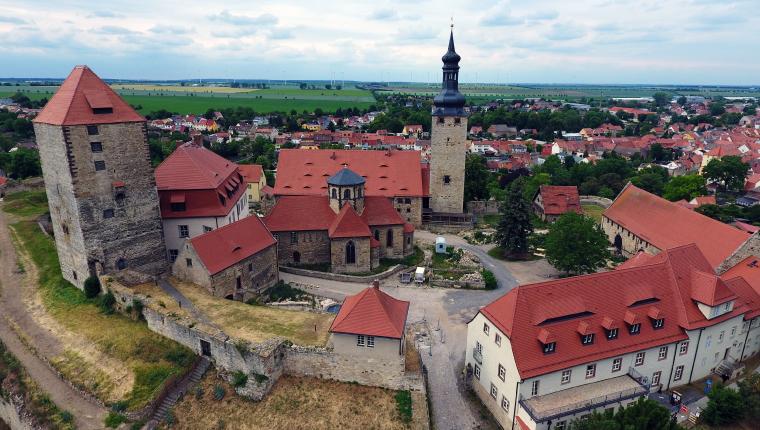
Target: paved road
447,309
13,309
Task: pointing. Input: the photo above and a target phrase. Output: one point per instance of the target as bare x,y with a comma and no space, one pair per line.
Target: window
334,193
350,252
173,253
679,373
587,339
184,231
617,364
717,357
108,213
656,378
92,130
502,372
178,207
347,194
446,179
478,347
590,371
497,339
360,340
250,267
708,342
96,147
100,165
457,120
612,334
549,347
75,275
102,110
504,403
566,374
721,336
408,201
207,229
639,359
494,391
663,353
727,307
296,257
389,238
476,372
534,388
658,323
733,330
121,264
377,235
65,229
561,425
684,348
293,237
634,328
486,328
188,262
370,341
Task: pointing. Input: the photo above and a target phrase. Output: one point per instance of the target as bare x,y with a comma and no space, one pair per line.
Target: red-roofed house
371,324
641,221
555,351
199,191
236,261
551,201
253,174
341,226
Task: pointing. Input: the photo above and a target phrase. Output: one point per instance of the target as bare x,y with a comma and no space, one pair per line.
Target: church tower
448,139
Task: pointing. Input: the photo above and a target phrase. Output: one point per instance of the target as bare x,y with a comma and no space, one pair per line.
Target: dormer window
612,334
634,328
587,339
550,347
658,323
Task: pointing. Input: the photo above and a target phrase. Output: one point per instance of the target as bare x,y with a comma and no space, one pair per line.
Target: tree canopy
730,172
576,244
514,225
644,414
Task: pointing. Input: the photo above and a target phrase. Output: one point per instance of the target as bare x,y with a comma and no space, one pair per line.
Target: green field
184,100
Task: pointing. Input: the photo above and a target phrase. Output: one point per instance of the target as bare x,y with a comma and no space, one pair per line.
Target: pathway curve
13,310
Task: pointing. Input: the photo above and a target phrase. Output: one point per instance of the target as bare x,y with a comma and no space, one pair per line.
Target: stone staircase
180,388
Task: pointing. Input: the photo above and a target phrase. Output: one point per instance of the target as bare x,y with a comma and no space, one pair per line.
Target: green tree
661,99
685,187
652,179
514,226
681,100
749,389
576,244
476,177
725,407
730,172
644,414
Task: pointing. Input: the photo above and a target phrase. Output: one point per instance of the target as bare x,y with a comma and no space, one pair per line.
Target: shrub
489,279
725,407
91,287
260,379
107,302
66,417
180,356
219,392
198,393
137,308
239,379
404,405
170,419
119,406
114,420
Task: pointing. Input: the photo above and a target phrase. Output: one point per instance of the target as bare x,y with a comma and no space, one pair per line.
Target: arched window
347,194
350,252
389,238
377,235
296,257
334,193
359,192
121,264
618,243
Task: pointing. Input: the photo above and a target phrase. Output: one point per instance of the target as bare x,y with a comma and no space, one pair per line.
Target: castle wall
313,246
448,151
410,209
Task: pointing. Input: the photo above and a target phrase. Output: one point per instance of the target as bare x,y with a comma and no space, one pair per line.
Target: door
205,348
728,351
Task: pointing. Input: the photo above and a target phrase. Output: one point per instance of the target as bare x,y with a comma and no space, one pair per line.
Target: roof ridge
74,91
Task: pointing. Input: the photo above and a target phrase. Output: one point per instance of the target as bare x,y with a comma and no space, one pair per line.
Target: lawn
127,346
258,323
26,203
296,403
593,211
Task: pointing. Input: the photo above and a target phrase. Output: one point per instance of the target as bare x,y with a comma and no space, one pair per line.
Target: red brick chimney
376,284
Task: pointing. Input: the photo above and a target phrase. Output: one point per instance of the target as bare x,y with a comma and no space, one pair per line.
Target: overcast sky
546,41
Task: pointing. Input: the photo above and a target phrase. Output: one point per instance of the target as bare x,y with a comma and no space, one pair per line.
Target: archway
296,257
618,243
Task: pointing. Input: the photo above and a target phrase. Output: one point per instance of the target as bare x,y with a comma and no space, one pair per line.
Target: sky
517,41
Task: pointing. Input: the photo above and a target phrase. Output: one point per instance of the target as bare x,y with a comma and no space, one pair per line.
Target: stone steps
168,403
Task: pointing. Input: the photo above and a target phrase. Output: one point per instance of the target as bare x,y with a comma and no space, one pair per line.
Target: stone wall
313,247
751,246
448,147
363,260
631,244
340,276
596,200
13,413
396,250
483,207
410,209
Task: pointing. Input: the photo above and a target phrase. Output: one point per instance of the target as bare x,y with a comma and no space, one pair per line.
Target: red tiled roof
705,200
408,228
225,246
251,172
373,313
558,199
744,279
380,211
79,95
666,225
348,224
709,289
663,288
3,180
425,172
193,167
388,173
300,213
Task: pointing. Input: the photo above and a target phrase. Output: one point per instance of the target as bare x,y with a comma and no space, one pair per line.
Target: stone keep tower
99,182
448,140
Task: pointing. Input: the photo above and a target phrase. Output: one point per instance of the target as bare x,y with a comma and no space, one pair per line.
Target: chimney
376,284
198,140
333,156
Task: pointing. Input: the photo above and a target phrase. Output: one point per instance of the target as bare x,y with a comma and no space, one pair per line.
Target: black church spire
450,102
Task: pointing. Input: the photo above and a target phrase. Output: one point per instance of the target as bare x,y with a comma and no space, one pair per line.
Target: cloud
169,29
546,15
243,20
113,29
383,15
501,20
565,31
105,14
417,33
281,34
12,20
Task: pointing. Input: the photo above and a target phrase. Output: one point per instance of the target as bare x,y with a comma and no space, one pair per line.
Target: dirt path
15,319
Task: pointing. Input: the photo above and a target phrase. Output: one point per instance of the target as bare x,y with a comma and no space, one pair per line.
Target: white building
199,191
545,354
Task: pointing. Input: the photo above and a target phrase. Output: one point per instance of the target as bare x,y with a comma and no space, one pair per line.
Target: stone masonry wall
363,257
314,247
751,246
448,151
411,211
263,275
481,207
632,244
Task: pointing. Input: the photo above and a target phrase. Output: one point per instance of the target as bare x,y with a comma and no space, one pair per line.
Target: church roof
345,177
348,224
372,313
84,98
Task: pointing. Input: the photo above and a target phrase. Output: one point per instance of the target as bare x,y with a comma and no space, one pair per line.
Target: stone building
370,325
343,228
236,261
98,178
448,140
199,191
551,201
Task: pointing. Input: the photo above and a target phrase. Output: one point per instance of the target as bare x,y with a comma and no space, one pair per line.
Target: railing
583,405
477,355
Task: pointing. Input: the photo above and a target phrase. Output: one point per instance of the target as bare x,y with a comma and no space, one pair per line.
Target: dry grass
593,211
258,323
294,403
161,298
180,89
411,356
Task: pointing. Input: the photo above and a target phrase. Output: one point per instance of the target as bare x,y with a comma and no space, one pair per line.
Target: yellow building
256,180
